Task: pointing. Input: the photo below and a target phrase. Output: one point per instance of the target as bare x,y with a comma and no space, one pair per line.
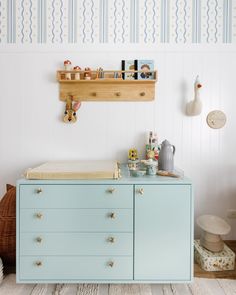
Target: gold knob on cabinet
118,94
39,240
112,215
94,94
38,263
39,190
111,240
39,215
142,93
111,263
141,191
111,190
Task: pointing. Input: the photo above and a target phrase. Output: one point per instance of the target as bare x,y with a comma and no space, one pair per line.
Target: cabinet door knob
111,263
39,191
94,94
118,94
38,263
141,191
111,190
39,240
111,240
142,93
112,215
39,215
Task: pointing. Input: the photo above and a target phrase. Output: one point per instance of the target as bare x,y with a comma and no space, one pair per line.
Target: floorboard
200,286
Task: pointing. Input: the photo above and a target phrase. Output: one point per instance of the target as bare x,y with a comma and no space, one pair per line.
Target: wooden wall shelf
107,88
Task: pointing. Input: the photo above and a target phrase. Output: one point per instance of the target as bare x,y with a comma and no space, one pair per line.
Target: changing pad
75,170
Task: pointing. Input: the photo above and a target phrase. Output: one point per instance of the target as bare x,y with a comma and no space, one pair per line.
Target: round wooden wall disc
216,119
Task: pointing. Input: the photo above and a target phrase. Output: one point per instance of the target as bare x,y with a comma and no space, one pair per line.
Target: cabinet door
163,232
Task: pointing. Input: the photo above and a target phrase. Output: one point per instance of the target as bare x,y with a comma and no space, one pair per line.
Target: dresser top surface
126,178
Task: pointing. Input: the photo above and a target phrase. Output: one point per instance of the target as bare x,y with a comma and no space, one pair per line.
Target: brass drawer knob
39,191
141,191
111,190
112,215
39,215
94,94
111,240
142,93
111,263
39,240
118,94
38,263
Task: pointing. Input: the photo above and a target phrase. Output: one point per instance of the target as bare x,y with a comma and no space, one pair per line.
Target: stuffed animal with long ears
71,109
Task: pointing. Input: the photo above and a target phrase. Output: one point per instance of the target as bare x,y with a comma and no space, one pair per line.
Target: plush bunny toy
71,109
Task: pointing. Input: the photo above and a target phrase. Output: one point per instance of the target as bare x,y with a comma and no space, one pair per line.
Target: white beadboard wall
31,130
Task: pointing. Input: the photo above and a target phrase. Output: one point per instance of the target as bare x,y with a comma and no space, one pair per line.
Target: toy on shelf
152,149
77,74
133,158
71,109
87,74
67,66
133,154
151,166
100,73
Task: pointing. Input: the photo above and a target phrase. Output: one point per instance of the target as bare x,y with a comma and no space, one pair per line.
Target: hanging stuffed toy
71,109
194,107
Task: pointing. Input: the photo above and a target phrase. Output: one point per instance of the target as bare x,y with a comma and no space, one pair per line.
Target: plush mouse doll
71,109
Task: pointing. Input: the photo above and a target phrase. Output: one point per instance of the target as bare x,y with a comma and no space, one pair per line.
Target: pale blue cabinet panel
163,233
80,220
76,244
76,196
75,268
114,231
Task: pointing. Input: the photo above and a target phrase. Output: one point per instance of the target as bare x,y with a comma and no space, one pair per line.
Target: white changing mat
75,170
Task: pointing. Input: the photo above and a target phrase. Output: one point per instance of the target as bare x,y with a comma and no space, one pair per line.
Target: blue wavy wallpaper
118,21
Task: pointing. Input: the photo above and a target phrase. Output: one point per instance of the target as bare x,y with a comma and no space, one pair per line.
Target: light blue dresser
105,231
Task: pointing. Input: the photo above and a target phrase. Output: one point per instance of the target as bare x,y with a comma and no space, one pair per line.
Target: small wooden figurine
87,74
77,74
71,109
67,66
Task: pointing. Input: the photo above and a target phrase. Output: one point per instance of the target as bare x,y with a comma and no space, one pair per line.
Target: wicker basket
1,271
8,226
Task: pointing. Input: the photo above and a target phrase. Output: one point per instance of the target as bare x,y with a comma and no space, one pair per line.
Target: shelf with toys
104,85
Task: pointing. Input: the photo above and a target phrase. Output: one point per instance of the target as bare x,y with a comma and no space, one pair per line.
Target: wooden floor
200,286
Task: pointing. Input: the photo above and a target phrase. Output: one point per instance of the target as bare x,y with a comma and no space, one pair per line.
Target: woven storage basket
1,271
8,226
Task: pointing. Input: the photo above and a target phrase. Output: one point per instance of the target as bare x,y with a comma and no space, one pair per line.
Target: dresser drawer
76,220
76,196
76,244
75,268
